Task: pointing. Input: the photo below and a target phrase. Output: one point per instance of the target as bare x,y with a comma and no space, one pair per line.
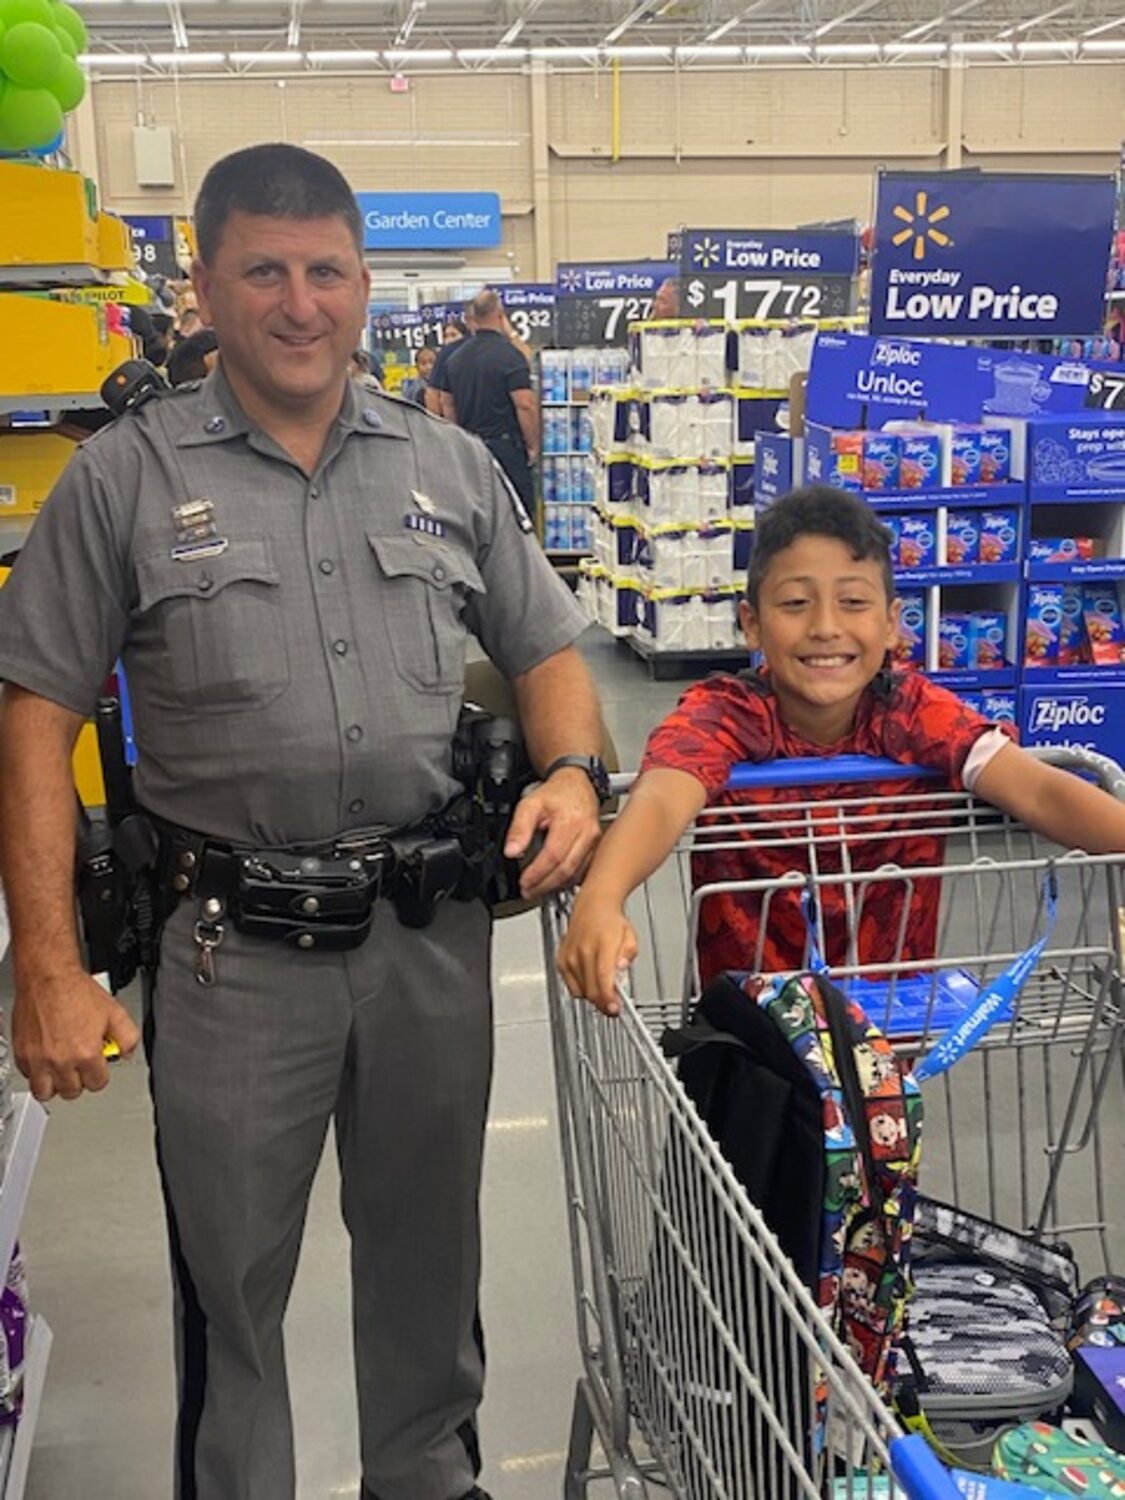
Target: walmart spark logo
571,279
920,225
706,253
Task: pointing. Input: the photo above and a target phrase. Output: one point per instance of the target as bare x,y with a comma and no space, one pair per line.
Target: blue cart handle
816,771
920,1472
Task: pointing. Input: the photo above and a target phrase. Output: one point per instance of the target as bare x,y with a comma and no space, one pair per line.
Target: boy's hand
599,944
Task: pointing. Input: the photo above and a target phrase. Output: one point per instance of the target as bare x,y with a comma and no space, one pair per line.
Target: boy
820,606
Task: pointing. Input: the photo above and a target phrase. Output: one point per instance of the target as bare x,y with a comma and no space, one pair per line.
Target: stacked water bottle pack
567,377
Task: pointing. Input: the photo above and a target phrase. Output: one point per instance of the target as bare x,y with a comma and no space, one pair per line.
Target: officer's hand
565,809
599,944
59,1025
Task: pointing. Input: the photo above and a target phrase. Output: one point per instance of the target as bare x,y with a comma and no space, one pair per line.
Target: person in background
488,391
414,387
666,300
153,347
193,358
361,368
296,673
190,322
456,330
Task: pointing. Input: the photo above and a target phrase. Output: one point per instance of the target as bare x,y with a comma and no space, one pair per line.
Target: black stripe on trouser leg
193,1322
467,1431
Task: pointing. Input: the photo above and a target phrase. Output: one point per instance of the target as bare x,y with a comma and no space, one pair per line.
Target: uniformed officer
289,568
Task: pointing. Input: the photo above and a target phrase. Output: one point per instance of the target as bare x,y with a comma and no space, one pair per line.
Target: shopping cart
709,1370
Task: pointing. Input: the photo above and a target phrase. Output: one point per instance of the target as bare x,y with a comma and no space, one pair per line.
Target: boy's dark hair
277,181
818,510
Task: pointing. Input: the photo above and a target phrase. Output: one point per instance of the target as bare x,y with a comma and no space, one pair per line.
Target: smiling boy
820,606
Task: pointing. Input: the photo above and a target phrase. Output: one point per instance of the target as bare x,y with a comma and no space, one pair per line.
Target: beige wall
761,147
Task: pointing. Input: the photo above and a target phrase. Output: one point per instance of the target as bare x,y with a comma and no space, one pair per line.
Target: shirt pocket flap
434,562
243,560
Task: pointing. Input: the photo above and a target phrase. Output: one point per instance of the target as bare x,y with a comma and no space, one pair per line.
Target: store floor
94,1240
95,1248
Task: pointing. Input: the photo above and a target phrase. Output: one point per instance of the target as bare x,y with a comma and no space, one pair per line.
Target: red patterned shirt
727,719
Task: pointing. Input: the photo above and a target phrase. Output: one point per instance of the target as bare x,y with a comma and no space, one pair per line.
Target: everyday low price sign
986,254
597,300
766,274
530,306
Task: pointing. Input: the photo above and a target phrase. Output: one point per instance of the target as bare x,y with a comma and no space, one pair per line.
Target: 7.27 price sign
768,274
596,302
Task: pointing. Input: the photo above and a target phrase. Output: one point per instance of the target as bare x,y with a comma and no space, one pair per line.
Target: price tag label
765,297
597,302
405,331
1106,391
600,320
530,307
154,245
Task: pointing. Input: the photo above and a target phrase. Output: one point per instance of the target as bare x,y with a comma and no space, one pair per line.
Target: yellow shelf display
31,461
50,217
55,348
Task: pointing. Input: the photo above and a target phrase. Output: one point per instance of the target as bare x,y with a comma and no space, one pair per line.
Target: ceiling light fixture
777,49
847,49
548,53
421,54
344,55
1047,49
491,54
637,52
187,59
249,58
981,49
112,59
685,54
915,49
1105,49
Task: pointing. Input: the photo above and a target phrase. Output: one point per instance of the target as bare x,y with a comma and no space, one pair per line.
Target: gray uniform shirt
306,677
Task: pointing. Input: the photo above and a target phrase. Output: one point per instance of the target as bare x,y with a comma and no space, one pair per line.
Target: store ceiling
230,35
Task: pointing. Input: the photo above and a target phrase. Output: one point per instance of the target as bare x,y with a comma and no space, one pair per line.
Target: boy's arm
1056,803
600,940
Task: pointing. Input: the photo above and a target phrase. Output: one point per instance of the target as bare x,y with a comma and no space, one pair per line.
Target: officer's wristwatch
594,767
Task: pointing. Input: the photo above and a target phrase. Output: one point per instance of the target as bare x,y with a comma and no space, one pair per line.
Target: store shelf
1051,494
23,1134
70,401
960,497
1091,570
975,682
666,666
1080,676
16,1442
959,574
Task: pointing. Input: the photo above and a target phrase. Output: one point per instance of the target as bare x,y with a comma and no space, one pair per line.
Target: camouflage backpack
823,1128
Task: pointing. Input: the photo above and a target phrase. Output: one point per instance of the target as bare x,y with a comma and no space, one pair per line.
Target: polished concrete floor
94,1239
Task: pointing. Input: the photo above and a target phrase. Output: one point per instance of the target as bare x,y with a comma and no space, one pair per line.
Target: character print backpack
823,1128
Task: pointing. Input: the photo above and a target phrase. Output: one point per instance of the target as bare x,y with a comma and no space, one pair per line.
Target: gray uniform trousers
393,1039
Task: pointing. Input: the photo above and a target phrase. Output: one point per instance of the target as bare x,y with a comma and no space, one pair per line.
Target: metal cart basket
704,1354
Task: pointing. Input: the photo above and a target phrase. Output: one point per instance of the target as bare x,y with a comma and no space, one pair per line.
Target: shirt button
354,732
438,573
326,565
340,648
206,583
355,805
372,417
314,493
214,424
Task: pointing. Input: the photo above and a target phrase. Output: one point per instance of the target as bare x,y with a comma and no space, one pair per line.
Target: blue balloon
50,148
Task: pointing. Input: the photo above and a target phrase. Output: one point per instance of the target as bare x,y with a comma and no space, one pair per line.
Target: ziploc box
1061,549
917,546
954,652
988,630
1105,631
880,461
999,536
1044,622
998,708
920,463
964,455
834,458
1072,628
995,445
962,538
910,648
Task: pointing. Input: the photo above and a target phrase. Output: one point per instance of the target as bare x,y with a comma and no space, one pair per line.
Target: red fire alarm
400,84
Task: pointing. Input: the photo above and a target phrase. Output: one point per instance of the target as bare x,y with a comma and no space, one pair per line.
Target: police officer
289,568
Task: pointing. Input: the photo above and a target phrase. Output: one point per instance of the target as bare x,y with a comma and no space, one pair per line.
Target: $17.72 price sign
768,274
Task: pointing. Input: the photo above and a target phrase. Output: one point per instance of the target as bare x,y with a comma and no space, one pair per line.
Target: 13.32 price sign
768,274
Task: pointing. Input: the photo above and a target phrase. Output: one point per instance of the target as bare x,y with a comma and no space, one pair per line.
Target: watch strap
593,766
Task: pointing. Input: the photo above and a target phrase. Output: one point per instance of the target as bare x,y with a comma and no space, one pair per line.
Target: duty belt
320,896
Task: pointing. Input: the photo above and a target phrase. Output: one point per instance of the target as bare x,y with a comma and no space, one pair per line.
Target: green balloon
65,16
30,55
68,85
28,118
38,12
66,42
